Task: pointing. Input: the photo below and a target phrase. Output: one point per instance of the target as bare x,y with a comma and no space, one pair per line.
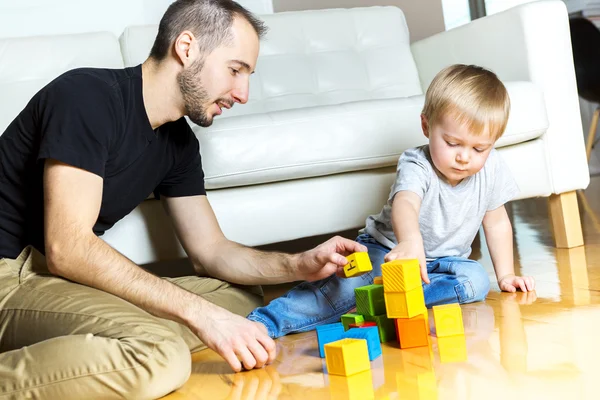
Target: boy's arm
405,221
499,238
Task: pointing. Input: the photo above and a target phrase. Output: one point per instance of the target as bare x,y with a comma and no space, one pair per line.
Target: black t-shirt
92,119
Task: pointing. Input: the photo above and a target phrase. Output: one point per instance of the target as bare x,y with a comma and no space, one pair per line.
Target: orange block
378,280
412,332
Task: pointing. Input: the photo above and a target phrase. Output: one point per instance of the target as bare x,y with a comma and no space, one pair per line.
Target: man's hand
326,259
510,283
241,342
409,250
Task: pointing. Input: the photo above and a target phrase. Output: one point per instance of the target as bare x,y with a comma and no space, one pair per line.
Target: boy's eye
451,144
234,71
479,150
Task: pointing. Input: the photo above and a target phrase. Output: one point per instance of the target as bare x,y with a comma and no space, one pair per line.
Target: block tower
405,302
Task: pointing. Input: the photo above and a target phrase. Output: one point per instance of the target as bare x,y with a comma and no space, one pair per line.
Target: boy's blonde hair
472,95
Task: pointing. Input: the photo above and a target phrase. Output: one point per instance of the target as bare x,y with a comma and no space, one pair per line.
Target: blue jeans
453,280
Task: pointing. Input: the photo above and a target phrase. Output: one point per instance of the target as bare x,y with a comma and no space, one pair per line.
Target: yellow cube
448,320
358,264
405,304
347,357
378,280
355,387
401,275
452,348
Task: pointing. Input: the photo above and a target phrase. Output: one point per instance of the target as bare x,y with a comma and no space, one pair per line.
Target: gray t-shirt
450,216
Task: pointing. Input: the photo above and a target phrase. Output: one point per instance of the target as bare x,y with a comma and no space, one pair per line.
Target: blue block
327,334
371,335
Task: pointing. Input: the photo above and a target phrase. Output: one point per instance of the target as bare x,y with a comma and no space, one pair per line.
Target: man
78,319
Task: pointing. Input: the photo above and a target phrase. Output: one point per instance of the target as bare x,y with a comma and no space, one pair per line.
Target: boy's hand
409,250
510,283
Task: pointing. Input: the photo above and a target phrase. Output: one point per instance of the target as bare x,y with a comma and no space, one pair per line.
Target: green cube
348,319
370,300
387,328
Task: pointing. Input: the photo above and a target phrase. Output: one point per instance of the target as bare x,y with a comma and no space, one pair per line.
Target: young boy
443,193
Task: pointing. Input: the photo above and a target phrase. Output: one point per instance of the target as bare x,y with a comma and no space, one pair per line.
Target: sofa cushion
318,58
27,64
327,140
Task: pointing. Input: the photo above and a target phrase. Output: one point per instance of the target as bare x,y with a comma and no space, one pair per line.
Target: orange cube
412,332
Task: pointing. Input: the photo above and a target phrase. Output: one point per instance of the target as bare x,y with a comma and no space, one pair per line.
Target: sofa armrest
526,43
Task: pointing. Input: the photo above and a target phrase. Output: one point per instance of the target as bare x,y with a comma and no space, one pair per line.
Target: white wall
48,17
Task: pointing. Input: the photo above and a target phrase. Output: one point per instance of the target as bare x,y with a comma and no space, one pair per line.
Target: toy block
401,275
369,300
358,264
327,334
405,304
386,326
412,332
356,387
347,357
452,348
378,280
448,320
371,335
364,324
351,318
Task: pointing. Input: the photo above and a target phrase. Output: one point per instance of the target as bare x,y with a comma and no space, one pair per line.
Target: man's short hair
472,95
209,20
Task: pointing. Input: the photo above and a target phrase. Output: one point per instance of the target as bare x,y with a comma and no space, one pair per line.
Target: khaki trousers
63,340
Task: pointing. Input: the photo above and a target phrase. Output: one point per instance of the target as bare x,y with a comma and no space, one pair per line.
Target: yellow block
448,320
355,387
401,275
358,264
347,357
405,305
378,280
452,348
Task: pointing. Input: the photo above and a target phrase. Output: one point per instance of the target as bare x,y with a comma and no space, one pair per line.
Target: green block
348,319
387,330
370,300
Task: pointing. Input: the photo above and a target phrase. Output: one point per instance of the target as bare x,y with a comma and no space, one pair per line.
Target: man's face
222,77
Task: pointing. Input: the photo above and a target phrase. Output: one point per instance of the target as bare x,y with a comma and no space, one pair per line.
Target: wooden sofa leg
566,223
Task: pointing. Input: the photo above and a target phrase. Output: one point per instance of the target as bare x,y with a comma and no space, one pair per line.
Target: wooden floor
542,345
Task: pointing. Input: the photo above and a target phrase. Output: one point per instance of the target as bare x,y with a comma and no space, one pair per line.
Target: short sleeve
503,185
78,120
186,178
412,174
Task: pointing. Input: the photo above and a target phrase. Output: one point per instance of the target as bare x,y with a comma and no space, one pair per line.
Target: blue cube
371,335
327,334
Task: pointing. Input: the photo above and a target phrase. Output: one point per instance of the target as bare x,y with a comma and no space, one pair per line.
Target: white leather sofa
335,100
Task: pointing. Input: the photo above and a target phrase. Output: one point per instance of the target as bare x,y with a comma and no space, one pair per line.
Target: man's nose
241,92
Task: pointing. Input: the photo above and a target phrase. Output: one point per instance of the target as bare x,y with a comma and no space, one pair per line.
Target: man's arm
72,199
499,238
209,250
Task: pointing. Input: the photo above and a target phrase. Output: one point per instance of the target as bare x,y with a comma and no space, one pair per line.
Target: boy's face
456,152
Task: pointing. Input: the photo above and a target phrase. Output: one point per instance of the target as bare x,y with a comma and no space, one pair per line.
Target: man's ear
184,48
425,125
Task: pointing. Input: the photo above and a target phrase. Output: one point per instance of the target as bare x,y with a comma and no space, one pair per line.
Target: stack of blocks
393,306
405,302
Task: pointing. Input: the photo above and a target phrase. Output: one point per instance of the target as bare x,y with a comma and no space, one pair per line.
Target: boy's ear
425,125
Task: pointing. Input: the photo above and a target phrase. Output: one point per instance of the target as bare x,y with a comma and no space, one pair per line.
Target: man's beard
195,96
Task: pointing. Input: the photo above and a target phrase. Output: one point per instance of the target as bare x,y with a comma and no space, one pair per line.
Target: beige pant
62,340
